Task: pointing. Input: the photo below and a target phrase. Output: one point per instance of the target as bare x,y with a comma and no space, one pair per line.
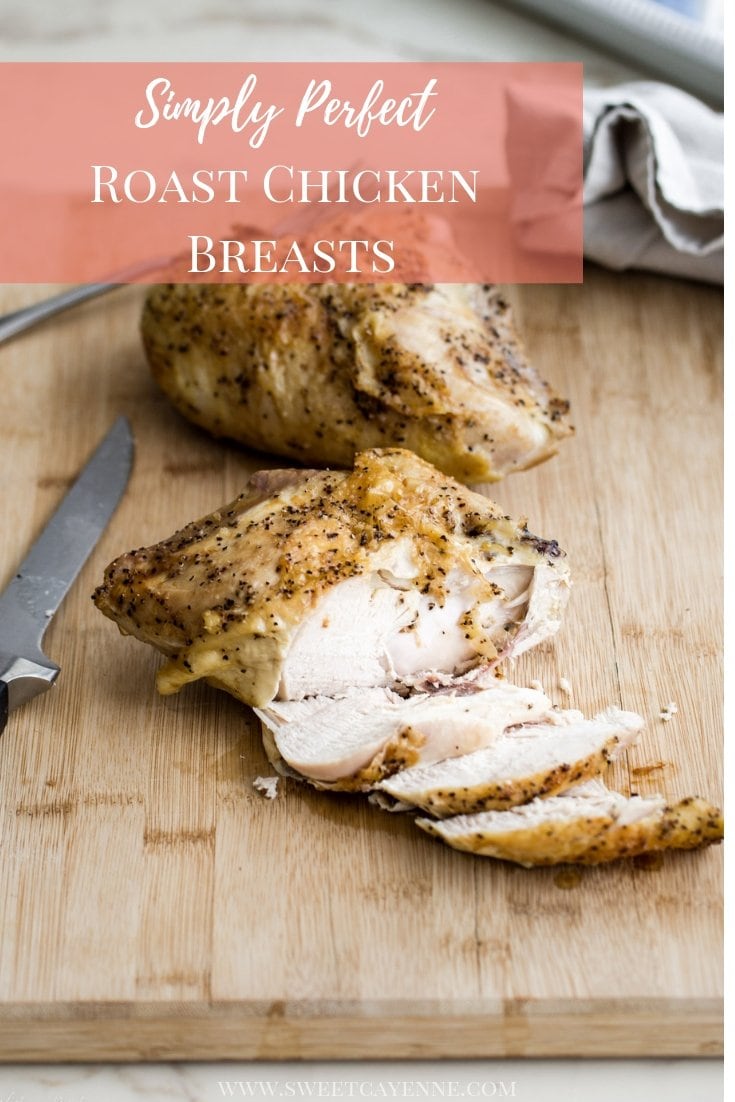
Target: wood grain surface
153,905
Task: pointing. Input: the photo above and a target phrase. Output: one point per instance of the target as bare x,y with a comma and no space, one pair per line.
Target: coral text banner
425,172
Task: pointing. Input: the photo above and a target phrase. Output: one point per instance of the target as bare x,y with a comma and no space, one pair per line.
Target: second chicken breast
320,372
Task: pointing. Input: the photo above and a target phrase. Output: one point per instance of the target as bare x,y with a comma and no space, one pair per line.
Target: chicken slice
321,371
387,575
353,741
587,826
537,759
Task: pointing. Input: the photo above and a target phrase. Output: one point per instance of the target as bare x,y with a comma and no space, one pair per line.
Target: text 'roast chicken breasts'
391,575
319,372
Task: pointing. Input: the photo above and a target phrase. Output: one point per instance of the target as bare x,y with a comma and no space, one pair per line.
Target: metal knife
53,562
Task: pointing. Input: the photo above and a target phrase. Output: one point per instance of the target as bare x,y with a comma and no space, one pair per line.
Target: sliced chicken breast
388,575
536,759
587,826
353,741
318,372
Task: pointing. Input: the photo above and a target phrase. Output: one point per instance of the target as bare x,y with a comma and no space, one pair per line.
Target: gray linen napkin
653,177
653,181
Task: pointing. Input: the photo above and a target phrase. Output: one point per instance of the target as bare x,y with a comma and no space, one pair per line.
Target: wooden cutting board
154,906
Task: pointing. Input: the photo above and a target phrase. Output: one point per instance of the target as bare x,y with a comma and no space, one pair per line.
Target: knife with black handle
44,577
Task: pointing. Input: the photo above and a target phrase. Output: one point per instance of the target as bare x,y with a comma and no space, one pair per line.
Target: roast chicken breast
319,372
366,614
387,575
587,826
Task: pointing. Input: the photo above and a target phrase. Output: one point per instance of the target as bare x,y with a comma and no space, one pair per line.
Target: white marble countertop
524,1080
287,30
339,30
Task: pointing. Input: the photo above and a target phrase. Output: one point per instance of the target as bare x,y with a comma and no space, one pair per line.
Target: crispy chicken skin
384,575
588,826
319,372
533,759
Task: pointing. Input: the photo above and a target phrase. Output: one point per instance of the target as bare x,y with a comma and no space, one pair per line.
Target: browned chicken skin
318,372
367,577
590,825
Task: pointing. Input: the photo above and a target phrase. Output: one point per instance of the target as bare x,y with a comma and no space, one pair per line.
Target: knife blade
46,574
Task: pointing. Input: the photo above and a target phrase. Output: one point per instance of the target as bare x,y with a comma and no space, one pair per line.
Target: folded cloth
653,177
653,181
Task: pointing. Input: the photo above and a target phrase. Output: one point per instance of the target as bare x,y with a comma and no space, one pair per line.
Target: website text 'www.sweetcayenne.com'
367,1088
